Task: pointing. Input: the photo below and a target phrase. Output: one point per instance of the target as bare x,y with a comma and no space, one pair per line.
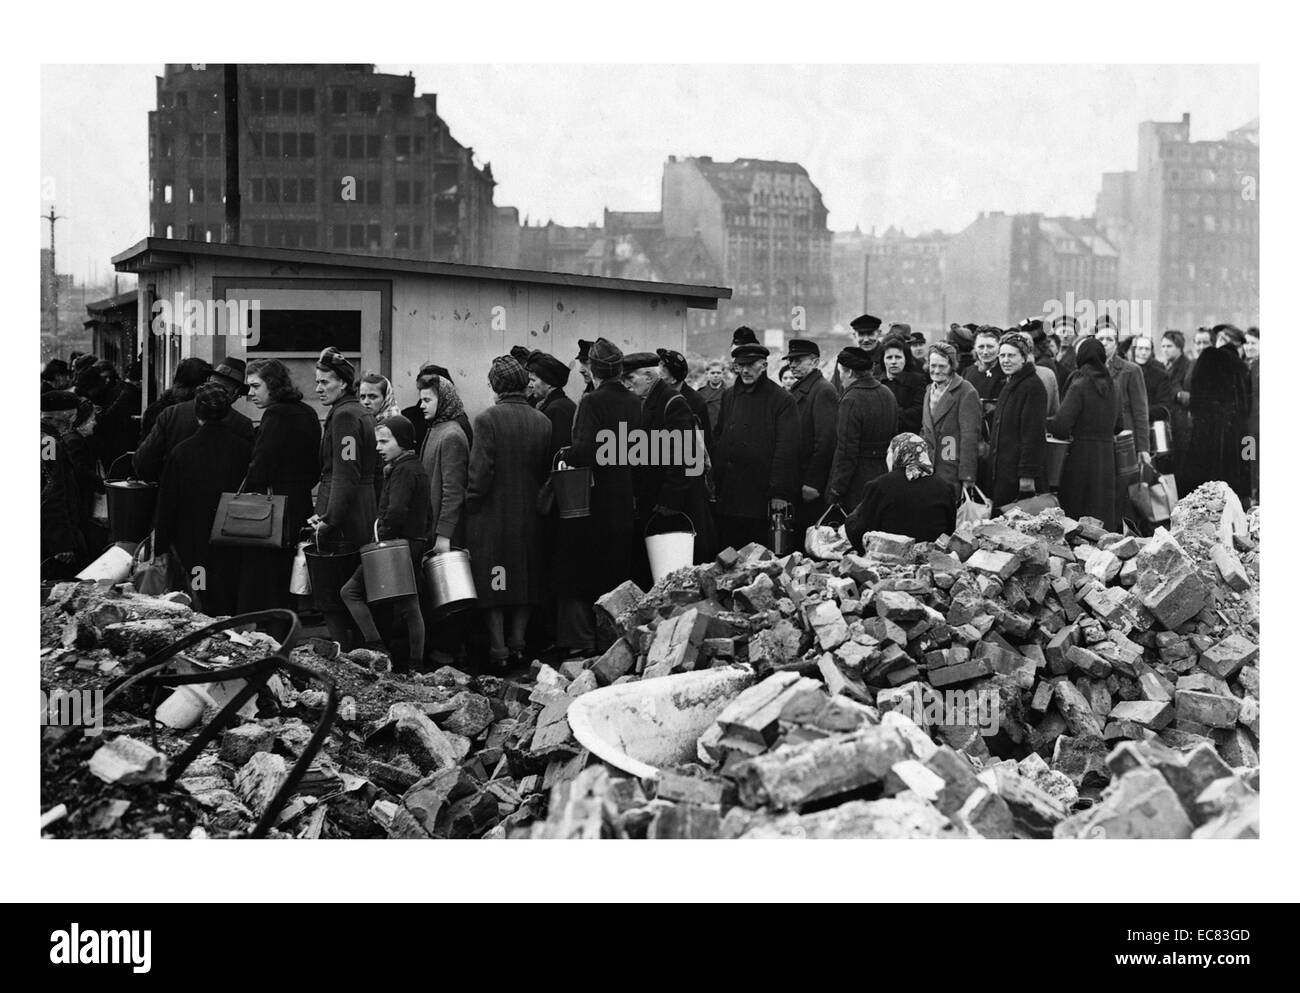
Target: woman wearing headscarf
909,499
377,395
951,420
286,461
1017,438
1090,417
508,463
345,498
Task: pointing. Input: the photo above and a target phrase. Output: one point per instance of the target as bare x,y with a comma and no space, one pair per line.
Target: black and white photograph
649,446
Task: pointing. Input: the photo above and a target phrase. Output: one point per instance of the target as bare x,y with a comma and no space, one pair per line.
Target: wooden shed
388,315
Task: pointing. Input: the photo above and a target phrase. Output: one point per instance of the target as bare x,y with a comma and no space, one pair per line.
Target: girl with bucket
377,395
345,498
1090,417
403,520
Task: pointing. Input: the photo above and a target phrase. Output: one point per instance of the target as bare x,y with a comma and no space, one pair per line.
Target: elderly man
867,329
180,421
867,417
757,451
817,404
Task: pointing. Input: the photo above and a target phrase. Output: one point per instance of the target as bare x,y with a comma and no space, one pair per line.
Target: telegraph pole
54,269
231,76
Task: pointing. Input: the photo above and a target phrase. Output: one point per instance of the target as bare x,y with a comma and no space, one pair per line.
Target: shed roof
153,254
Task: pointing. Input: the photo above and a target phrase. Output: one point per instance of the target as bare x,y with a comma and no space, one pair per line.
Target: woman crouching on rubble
909,499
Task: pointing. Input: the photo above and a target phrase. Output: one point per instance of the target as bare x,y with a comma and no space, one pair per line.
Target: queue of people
898,438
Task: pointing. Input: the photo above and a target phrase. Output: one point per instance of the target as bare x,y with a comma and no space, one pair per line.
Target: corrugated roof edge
168,251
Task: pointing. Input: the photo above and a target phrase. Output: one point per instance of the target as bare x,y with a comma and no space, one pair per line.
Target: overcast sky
915,146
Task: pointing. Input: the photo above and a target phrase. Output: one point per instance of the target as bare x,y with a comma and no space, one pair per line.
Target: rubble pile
1022,677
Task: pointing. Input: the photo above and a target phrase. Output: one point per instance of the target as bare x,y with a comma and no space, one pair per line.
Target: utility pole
54,270
231,232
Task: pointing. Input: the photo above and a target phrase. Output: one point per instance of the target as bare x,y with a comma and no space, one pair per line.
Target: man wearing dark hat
920,347
63,545
595,551
673,370
757,459
866,423
210,461
547,377
584,350
1067,326
818,407
867,329
743,335
179,422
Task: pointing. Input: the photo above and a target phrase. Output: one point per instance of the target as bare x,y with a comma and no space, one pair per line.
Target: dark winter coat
345,498
712,397
909,392
173,426
594,551
212,461
867,422
508,463
1132,391
1220,412
59,502
1018,438
559,410
1159,396
81,456
679,491
1180,374
952,429
700,408
757,444
648,479
1090,422
818,406
921,508
404,504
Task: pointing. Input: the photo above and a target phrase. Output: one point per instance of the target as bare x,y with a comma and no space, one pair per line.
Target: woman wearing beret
1018,437
345,499
508,463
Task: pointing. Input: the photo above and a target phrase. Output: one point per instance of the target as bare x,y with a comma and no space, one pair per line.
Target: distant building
331,157
63,311
904,279
848,277
1186,223
764,224
1003,268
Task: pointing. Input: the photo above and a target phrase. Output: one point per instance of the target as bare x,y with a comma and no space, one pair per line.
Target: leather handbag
249,520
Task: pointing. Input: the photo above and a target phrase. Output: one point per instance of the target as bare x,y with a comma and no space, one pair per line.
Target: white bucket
670,551
184,707
114,565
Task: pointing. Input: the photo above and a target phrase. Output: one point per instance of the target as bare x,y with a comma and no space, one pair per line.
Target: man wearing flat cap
818,407
867,418
867,329
595,551
180,421
547,377
757,451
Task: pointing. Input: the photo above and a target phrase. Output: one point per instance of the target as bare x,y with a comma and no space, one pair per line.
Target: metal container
572,491
387,569
451,582
670,550
131,504
781,536
1057,450
1161,442
1126,456
330,566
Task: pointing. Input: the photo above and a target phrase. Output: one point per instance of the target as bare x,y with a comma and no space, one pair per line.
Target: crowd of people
896,438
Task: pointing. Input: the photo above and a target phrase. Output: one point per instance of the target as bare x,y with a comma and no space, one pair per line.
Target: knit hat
961,337
521,354
332,360
605,359
548,369
507,375
855,358
402,430
212,401
674,362
1016,339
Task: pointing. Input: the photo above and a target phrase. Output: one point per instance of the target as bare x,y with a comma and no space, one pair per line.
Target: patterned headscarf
449,403
910,452
507,375
1016,340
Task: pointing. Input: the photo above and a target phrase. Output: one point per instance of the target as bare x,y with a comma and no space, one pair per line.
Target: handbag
154,574
1151,496
827,542
249,520
1032,505
974,506
1164,497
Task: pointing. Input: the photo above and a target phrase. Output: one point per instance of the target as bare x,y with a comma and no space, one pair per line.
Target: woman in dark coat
1179,369
867,415
212,461
77,442
1018,438
1220,407
1089,417
345,499
286,461
907,386
508,463
951,420
909,499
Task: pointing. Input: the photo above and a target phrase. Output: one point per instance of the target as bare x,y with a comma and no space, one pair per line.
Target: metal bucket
1161,443
131,504
387,569
669,551
1126,456
451,582
1056,453
572,490
781,537
330,566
